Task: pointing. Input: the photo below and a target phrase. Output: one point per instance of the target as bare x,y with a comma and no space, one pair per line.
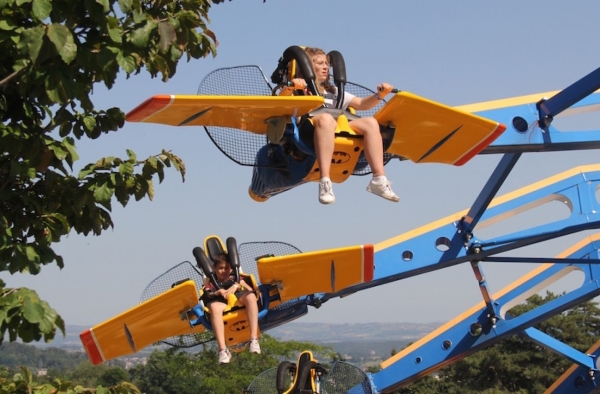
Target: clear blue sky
452,52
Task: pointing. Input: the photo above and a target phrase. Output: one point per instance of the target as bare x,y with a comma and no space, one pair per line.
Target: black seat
307,370
214,247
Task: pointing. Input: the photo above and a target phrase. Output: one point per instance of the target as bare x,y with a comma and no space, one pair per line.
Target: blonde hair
326,86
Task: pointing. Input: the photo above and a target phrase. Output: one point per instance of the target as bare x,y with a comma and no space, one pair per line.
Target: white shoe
254,346
383,189
326,192
224,356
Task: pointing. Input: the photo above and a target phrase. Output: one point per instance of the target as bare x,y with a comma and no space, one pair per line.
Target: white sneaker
383,189
326,192
224,356
254,346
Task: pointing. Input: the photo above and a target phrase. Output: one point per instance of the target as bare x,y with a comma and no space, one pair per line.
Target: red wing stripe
482,145
91,347
368,267
150,107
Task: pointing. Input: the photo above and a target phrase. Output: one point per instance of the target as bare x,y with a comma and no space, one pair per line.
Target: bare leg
249,300
369,129
324,125
216,319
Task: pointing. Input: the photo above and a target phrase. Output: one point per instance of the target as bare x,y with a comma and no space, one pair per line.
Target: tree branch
11,76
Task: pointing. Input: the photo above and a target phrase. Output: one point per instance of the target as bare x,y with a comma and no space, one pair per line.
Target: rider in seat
325,126
223,282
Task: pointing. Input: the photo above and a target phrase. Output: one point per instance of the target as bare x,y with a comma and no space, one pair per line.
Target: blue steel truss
454,240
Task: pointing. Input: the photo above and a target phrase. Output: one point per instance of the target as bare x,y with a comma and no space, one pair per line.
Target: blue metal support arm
441,244
578,379
476,328
553,106
489,191
537,260
524,134
560,348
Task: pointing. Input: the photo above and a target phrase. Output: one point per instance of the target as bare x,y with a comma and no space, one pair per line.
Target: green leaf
141,36
116,35
59,87
138,16
125,5
131,154
69,144
7,24
62,39
126,169
33,311
41,9
162,65
127,63
32,254
58,151
31,42
103,194
89,122
105,4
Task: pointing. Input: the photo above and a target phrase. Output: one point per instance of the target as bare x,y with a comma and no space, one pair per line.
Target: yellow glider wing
147,323
248,113
430,132
325,271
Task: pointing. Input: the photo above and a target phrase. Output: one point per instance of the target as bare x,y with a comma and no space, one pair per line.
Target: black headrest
297,54
214,247
205,265
303,375
284,369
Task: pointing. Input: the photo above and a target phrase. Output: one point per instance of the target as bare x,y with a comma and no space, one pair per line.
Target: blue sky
452,52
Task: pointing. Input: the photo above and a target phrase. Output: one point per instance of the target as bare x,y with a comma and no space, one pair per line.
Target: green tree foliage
52,53
174,371
516,364
87,374
113,376
14,355
23,383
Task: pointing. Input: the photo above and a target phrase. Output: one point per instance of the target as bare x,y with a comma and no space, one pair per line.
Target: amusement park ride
249,123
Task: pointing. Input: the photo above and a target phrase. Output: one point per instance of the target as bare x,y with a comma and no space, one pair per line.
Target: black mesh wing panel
265,383
239,145
344,378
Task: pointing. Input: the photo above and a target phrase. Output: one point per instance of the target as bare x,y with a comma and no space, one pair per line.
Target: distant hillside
327,332
361,343
313,332
70,341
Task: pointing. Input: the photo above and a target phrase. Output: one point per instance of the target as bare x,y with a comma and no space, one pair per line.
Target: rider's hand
384,89
299,83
